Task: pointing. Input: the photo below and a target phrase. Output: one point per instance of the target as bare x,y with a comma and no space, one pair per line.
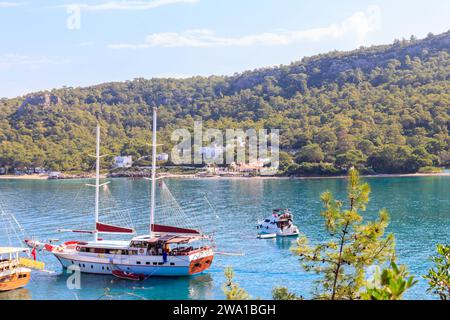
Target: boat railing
187,251
8,265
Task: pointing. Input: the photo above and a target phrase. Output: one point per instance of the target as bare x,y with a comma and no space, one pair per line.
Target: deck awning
182,240
8,250
158,228
109,228
171,239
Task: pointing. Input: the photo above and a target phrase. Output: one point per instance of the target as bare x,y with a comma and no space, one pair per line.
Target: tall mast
152,204
97,180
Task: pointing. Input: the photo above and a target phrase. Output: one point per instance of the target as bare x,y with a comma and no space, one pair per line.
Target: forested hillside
384,109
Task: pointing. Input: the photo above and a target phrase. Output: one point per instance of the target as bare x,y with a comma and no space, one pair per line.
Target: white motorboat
279,223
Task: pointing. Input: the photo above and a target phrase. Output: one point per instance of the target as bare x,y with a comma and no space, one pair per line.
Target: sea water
419,208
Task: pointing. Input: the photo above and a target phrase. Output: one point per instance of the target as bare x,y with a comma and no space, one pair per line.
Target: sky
49,44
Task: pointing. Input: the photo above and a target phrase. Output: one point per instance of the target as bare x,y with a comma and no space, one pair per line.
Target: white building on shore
212,153
162,157
123,162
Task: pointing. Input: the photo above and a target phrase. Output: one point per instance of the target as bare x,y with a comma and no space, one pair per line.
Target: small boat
128,275
266,235
279,223
12,274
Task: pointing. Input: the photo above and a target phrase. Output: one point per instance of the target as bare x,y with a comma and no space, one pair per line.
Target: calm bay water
419,209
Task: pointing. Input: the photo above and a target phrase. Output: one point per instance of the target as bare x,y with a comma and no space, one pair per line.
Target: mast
152,203
97,180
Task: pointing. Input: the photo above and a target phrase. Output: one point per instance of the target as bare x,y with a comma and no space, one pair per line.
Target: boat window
138,262
138,244
267,220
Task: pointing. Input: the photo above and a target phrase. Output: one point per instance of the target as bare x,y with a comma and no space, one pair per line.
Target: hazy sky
48,44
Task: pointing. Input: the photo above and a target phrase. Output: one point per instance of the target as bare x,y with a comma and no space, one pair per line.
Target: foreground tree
439,276
231,289
353,245
282,293
390,284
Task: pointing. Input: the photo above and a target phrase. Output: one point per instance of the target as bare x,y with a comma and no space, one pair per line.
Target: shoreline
384,175
193,176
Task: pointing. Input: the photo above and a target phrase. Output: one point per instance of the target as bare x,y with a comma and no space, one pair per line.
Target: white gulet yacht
165,251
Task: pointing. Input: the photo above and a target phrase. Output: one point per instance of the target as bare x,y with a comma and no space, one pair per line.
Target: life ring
78,248
141,250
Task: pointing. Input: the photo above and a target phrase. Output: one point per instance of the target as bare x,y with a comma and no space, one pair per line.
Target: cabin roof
7,250
108,244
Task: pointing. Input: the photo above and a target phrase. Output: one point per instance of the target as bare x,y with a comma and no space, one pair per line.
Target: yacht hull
17,279
146,265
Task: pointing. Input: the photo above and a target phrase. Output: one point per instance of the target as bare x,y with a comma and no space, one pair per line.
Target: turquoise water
419,209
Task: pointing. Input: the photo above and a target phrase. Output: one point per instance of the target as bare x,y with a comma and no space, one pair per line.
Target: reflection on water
107,287
285,243
18,294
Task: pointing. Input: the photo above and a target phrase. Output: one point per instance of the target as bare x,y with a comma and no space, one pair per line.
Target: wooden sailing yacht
12,274
165,251
14,270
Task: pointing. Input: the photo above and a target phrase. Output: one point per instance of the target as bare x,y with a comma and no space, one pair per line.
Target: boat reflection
18,294
107,287
285,243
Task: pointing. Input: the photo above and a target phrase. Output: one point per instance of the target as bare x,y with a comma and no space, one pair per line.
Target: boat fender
141,250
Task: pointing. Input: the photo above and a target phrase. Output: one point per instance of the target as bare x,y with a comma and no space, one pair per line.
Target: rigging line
5,227
54,196
171,211
17,234
81,188
7,221
125,219
13,228
125,211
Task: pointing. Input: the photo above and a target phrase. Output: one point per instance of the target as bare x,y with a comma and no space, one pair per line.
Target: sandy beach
24,177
